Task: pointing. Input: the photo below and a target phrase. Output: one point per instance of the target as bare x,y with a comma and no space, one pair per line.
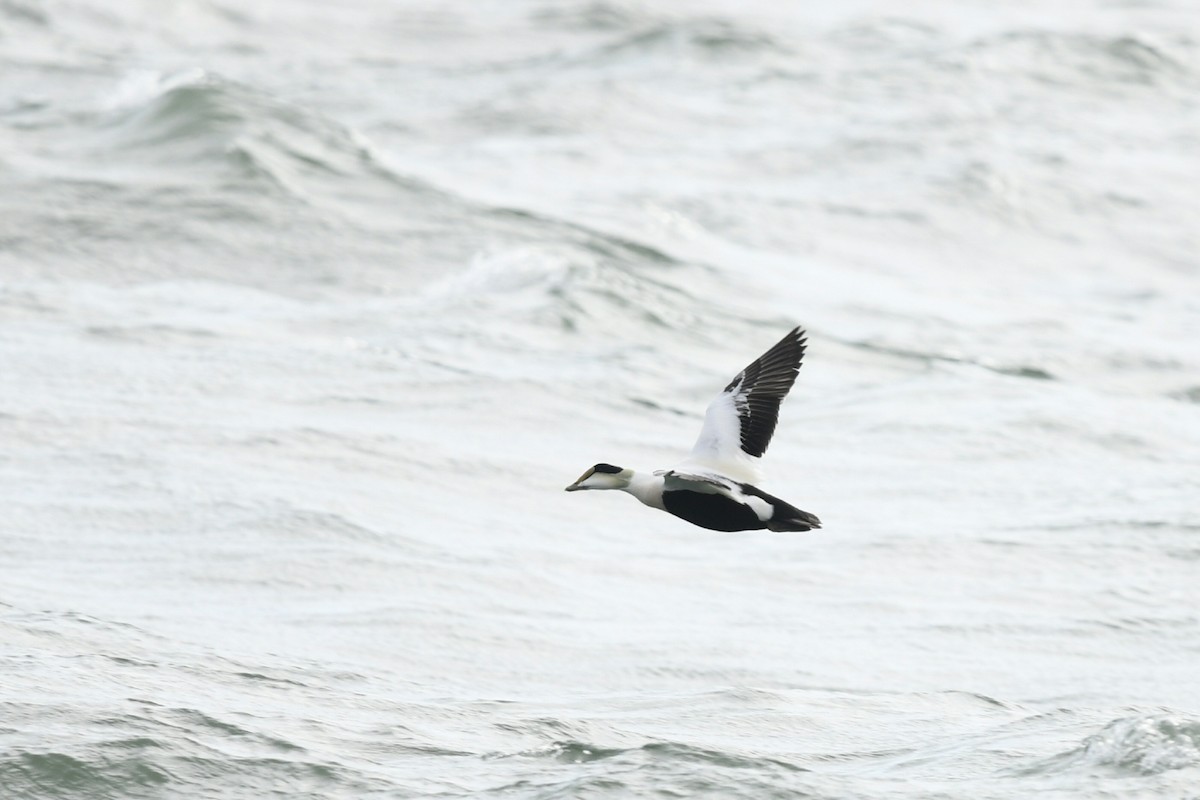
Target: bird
714,487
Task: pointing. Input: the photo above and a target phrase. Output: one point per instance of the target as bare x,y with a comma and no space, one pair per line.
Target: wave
1142,745
637,33
184,753
705,38
1082,59
195,162
195,122
592,284
575,752
207,133
1188,395
598,16
143,767
1030,371
22,11
581,769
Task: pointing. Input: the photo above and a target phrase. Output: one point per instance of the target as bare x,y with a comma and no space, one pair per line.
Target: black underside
720,513
713,511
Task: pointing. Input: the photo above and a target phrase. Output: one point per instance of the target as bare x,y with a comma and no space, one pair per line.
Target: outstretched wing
742,419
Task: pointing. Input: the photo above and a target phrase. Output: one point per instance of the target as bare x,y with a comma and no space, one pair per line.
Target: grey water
309,311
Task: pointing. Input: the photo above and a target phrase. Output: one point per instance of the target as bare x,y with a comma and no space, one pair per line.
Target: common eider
714,488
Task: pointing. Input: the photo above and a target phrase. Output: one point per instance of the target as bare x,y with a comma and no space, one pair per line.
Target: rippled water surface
308,312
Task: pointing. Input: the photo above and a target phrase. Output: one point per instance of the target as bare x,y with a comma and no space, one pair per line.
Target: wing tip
774,373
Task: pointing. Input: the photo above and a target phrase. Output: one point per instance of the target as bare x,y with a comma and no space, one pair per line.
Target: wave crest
1143,745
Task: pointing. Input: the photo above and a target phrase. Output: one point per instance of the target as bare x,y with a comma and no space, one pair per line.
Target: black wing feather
760,388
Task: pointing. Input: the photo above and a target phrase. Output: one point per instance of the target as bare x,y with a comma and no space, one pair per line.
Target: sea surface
309,311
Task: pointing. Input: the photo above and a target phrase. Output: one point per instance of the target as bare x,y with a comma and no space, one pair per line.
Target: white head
602,476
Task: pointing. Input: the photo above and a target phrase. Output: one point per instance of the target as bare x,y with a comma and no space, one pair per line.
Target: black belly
713,511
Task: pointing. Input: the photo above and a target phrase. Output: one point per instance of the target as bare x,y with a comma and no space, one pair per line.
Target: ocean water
309,312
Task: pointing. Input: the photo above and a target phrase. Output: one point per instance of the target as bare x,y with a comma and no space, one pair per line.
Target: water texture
308,312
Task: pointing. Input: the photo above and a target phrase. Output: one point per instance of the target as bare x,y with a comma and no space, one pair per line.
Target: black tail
797,520
784,515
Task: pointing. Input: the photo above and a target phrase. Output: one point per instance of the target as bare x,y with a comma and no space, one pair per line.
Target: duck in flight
714,488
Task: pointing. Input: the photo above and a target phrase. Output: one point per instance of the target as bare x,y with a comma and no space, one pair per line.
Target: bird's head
602,476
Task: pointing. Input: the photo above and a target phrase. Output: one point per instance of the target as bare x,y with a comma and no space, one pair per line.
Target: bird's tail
794,520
